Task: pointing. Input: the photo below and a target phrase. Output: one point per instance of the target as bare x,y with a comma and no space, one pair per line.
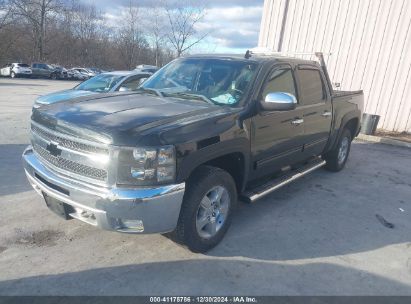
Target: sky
232,25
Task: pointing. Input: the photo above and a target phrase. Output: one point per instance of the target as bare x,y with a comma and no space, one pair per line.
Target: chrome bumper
135,210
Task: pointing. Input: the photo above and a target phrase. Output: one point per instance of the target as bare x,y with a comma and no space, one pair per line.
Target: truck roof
256,58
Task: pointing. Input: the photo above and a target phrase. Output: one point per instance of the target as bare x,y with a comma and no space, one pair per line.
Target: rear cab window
311,85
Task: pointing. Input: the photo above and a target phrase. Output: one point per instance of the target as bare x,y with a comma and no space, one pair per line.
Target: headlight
147,166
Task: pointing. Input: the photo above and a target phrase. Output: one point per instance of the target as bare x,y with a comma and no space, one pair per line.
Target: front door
317,107
35,69
277,136
44,71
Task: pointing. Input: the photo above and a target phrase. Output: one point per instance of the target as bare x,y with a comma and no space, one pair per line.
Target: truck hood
121,119
61,96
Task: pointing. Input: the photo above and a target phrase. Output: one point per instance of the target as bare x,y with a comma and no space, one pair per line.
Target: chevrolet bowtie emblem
53,149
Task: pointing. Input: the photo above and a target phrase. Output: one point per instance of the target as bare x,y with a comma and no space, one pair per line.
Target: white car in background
84,71
16,70
145,68
77,75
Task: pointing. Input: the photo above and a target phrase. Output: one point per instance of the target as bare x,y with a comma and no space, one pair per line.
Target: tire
53,76
336,158
13,75
195,227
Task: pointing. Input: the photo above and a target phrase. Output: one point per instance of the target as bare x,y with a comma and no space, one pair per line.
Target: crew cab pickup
177,154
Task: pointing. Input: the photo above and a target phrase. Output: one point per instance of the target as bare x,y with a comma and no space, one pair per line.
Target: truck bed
338,93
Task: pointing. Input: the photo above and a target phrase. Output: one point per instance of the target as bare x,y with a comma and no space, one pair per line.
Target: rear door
317,108
278,135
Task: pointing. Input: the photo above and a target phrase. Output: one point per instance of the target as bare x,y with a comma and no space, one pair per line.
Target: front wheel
336,159
205,214
13,75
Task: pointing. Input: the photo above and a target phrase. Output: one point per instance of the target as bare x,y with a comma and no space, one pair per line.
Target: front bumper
134,210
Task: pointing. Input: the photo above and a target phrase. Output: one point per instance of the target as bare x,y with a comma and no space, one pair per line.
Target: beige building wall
369,42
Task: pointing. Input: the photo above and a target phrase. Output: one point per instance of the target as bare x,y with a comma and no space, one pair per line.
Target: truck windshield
220,81
100,83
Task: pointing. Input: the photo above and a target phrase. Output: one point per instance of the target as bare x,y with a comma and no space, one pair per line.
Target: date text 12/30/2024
203,299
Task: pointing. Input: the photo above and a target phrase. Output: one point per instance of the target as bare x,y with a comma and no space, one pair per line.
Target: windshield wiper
149,90
192,95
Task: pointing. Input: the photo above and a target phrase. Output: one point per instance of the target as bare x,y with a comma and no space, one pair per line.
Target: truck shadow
326,214
208,277
12,177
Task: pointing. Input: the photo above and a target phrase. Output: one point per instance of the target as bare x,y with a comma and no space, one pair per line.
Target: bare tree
130,38
86,23
156,29
36,13
183,18
72,33
5,13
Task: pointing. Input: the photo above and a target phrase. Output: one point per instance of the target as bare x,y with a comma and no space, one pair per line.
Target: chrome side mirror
279,101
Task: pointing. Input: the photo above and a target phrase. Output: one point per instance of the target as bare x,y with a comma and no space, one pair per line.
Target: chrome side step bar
267,188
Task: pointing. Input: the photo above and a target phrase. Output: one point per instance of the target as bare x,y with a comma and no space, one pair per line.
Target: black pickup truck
176,155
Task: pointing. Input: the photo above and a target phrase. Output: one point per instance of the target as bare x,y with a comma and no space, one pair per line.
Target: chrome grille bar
70,156
69,165
67,143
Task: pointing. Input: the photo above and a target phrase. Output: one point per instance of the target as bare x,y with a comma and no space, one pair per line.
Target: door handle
297,122
326,114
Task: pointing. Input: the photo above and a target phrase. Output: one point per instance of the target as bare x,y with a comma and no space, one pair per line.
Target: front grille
77,158
70,166
67,143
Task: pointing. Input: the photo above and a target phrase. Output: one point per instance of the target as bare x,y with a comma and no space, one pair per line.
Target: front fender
194,157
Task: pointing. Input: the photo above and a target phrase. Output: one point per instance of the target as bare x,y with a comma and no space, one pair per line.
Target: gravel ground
326,234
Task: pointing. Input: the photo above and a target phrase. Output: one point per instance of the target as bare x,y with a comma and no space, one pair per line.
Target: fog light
136,225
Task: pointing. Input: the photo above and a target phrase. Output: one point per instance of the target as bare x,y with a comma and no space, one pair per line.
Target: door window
133,82
280,80
312,87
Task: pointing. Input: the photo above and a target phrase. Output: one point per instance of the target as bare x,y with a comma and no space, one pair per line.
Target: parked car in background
85,71
61,71
146,68
74,74
43,70
16,70
96,70
102,83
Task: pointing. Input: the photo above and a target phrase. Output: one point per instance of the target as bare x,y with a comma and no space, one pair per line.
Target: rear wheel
205,214
337,158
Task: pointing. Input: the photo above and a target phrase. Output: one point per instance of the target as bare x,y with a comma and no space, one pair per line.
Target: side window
280,80
312,88
132,83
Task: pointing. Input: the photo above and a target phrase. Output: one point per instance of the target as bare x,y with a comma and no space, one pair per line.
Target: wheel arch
232,157
350,120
